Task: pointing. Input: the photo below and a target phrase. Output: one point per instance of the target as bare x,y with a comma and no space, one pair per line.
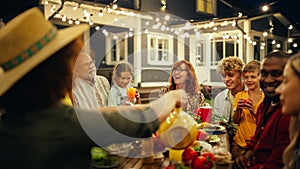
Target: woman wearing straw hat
36,129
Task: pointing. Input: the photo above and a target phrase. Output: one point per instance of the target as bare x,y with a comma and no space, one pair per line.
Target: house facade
153,41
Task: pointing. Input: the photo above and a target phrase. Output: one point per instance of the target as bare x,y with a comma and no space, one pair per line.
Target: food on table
205,125
101,158
214,138
222,155
198,157
202,135
189,154
98,153
202,162
209,155
205,147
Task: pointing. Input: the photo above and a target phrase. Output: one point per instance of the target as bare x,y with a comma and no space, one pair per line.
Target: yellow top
247,124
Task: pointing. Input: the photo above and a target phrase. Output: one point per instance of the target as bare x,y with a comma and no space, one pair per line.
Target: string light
90,11
265,8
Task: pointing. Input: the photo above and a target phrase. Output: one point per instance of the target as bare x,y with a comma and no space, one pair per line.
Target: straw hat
26,41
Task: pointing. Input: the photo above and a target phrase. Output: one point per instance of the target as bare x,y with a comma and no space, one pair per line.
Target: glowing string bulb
265,8
115,6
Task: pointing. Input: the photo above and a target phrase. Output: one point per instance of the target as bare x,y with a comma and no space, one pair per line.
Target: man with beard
265,148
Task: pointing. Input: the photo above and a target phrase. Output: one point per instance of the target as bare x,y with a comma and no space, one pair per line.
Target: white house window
205,6
222,48
200,59
116,50
159,49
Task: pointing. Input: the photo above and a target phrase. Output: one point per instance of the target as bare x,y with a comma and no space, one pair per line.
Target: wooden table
161,163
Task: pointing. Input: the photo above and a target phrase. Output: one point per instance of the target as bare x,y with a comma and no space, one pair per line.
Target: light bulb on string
265,8
77,22
278,45
64,18
115,6
295,45
167,17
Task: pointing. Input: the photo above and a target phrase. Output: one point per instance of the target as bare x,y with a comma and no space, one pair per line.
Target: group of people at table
42,64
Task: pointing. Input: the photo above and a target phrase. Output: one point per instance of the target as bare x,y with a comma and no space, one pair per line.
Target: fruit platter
202,155
197,156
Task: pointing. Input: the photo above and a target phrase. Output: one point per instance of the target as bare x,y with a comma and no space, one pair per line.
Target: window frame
117,46
160,49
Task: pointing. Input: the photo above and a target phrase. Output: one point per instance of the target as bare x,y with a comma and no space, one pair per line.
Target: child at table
122,77
246,103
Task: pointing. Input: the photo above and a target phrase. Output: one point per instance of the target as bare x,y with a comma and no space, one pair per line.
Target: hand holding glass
131,92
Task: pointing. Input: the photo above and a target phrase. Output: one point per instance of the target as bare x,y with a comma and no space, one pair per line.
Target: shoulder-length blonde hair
294,130
192,84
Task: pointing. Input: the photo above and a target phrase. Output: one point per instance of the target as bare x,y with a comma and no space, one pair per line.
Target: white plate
205,146
214,127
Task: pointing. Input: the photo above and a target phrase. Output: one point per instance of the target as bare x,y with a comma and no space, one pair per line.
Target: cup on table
175,155
205,113
131,92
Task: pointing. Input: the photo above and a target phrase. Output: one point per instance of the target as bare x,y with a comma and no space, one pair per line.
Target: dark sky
11,8
287,7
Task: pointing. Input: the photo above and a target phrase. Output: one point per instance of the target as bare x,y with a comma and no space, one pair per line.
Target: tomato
170,167
209,155
201,162
189,154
